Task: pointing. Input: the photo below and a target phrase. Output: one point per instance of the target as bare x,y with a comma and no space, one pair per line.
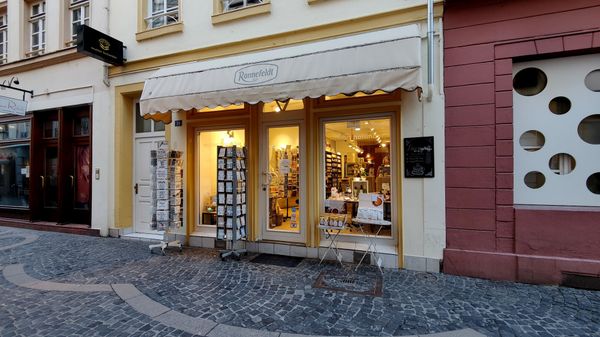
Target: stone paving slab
26,239
15,273
126,291
147,306
223,330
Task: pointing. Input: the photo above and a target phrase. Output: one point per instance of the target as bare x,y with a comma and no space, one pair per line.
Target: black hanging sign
100,46
418,157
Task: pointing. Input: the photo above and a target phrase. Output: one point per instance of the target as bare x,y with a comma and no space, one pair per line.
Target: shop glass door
282,189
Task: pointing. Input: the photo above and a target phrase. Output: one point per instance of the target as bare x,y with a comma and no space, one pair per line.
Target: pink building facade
490,234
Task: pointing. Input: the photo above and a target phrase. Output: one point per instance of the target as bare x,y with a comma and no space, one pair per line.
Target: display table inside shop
350,206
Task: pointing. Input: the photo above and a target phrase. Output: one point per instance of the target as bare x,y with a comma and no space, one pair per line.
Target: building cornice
44,60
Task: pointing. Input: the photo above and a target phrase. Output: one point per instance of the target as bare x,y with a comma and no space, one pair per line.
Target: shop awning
381,60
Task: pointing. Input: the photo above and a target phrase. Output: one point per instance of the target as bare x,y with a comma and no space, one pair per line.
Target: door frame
197,208
263,204
136,136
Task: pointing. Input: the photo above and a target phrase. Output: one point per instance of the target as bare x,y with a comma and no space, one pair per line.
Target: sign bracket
9,86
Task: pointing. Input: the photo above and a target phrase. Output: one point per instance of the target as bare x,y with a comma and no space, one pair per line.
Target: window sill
160,31
263,8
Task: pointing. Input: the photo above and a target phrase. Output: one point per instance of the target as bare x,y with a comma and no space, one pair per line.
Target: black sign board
418,157
99,45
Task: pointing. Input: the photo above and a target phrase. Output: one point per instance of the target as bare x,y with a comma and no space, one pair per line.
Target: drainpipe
430,64
106,80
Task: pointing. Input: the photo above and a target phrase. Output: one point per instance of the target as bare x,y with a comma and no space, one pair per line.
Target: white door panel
143,179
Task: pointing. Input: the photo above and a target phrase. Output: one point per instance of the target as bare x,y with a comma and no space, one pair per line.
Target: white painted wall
199,32
423,199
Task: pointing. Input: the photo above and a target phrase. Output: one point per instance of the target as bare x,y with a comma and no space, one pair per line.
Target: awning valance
382,60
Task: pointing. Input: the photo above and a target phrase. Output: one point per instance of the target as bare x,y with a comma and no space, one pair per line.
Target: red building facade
488,235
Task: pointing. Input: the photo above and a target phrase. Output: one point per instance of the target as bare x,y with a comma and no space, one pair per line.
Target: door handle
72,181
43,181
135,188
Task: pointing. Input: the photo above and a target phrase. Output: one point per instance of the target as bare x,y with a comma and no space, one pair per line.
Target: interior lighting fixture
229,139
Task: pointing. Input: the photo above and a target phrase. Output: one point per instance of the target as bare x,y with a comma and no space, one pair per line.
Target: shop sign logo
104,44
256,74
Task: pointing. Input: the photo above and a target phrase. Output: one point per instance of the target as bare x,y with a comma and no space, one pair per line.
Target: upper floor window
80,15
3,39
230,5
162,13
37,22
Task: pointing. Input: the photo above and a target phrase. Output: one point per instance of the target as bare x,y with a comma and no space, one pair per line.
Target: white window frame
161,14
3,38
226,4
40,20
78,6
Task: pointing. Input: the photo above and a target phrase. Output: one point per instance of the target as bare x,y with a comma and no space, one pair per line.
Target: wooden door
61,165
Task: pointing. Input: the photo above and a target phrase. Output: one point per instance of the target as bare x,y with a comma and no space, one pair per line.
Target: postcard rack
231,199
167,195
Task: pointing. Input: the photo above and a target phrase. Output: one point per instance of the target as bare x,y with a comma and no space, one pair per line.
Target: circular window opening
593,183
562,163
530,81
589,129
560,105
532,140
592,80
535,179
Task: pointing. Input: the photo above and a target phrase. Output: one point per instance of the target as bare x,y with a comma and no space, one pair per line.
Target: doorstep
143,236
79,229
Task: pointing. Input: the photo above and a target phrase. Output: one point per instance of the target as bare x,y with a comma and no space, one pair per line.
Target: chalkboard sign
418,157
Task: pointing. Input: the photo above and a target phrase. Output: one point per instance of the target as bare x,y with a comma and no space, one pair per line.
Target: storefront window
14,130
146,125
206,143
51,129
14,175
357,174
81,126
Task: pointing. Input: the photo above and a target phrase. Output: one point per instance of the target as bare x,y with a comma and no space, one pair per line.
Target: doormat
277,260
370,283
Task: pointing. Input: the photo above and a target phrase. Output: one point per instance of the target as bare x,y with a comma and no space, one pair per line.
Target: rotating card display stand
231,199
167,195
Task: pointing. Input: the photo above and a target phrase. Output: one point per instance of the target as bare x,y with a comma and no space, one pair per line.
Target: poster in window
418,157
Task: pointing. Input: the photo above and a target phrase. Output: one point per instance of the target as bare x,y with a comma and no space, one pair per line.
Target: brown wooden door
61,165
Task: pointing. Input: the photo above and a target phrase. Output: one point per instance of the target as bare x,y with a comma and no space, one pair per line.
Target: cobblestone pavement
197,283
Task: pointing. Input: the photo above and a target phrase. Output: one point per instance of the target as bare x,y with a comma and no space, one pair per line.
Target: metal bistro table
371,238
332,233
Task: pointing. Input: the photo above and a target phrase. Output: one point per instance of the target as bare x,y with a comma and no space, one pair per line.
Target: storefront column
176,134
